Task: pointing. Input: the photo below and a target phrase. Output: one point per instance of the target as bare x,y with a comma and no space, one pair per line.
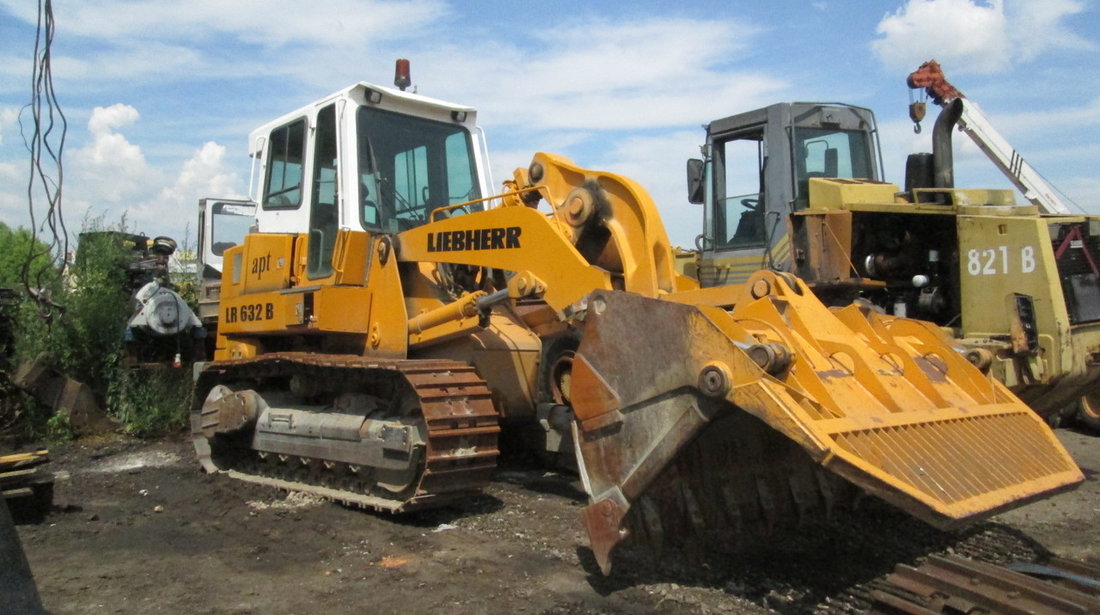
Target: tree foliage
15,246
85,341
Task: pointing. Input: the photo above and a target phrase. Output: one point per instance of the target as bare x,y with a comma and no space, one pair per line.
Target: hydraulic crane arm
976,126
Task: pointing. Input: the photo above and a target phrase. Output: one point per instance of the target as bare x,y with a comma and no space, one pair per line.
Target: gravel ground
137,528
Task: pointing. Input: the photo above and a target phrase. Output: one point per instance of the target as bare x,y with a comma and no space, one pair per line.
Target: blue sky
161,95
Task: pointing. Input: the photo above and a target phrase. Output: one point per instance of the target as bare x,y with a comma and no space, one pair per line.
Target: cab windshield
409,167
824,152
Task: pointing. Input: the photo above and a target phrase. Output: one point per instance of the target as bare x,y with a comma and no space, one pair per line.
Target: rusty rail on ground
953,584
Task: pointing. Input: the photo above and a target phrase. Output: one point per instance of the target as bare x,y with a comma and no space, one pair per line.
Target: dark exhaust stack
943,164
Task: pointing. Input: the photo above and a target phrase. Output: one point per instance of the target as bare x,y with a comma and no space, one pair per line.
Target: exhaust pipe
943,163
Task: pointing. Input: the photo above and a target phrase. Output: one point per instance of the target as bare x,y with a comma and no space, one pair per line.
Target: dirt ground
138,528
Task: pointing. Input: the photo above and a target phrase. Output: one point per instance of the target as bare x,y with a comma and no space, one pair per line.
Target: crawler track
460,424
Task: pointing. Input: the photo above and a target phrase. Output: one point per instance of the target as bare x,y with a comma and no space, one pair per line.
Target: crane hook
916,113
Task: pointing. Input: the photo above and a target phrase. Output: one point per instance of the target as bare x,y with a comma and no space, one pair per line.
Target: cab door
324,207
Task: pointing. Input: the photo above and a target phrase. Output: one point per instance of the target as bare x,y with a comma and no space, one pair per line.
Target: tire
1088,412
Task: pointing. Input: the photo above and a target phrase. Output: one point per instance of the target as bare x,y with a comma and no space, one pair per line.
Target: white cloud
132,61
265,22
105,120
957,32
204,175
1035,26
975,36
111,177
109,166
1051,119
560,88
158,40
13,205
580,73
622,54
104,176
9,117
16,70
8,172
1082,192
601,75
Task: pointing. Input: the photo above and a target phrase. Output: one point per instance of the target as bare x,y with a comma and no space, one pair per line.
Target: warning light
401,74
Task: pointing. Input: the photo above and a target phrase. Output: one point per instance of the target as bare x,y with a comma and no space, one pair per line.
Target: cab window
283,188
229,225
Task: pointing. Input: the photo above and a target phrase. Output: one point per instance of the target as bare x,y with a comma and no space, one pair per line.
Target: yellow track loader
387,323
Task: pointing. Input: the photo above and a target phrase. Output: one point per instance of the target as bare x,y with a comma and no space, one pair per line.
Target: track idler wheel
227,411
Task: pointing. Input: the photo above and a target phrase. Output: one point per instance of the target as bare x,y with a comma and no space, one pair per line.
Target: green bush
151,402
21,326
15,246
89,337
85,340
58,428
21,416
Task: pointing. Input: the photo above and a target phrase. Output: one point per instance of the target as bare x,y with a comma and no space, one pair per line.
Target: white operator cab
366,158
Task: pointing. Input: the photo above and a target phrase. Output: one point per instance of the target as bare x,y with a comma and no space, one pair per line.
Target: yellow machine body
381,366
